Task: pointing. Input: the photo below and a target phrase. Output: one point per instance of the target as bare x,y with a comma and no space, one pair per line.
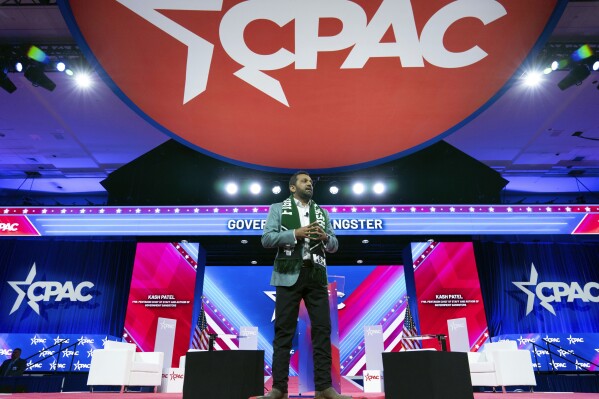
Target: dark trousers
316,298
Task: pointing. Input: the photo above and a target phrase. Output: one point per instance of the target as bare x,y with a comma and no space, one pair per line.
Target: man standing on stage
302,232
15,366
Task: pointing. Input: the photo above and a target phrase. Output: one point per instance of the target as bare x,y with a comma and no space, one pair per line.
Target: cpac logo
551,340
69,353
330,69
57,366
31,365
364,38
45,353
564,353
549,292
5,352
81,366
541,352
573,341
557,365
373,331
9,227
44,291
456,325
37,340
581,365
522,341
83,340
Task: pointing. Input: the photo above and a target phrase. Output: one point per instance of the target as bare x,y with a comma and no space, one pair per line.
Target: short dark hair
293,179
18,349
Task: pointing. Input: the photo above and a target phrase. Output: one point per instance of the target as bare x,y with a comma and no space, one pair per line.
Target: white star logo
272,295
531,295
533,282
21,293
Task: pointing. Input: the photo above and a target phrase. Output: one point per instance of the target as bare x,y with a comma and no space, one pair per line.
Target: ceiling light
244,241
596,66
365,241
6,83
255,188
276,189
359,261
358,188
554,65
83,80
60,66
334,189
35,74
231,188
19,66
575,77
378,188
532,78
254,262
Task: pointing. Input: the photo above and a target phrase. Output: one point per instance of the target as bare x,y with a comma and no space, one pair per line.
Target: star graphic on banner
272,295
534,276
104,340
90,353
21,293
532,282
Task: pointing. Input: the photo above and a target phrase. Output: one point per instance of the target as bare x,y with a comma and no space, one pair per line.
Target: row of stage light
255,188
579,64
34,64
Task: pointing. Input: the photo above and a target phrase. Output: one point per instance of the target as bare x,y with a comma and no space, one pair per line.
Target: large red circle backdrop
331,87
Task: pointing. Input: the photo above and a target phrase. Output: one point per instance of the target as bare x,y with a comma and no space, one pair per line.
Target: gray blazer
273,237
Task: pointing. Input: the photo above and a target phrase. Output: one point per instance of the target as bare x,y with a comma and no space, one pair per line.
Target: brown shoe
329,393
274,394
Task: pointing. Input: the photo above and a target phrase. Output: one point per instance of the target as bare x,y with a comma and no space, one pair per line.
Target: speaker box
235,374
427,375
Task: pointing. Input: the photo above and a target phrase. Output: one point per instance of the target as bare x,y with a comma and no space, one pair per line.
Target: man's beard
306,196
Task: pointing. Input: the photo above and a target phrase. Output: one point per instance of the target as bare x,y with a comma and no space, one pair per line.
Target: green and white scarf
289,260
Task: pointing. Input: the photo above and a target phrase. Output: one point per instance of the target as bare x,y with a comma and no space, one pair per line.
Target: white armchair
119,364
501,364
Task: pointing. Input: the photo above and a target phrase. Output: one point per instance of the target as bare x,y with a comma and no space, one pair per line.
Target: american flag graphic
409,330
201,333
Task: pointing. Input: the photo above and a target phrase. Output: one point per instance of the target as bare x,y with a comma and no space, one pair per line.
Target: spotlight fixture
333,188
358,188
584,63
6,83
276,188
255,188
231,188
35,74
378,188
577,74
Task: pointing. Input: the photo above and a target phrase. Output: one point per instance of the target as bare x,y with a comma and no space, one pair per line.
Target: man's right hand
307,231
